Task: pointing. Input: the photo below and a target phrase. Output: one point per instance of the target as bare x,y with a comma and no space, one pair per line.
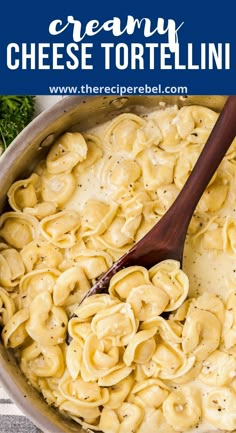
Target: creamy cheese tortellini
157,353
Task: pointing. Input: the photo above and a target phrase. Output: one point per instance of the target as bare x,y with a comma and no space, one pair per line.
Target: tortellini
93,262
157,353
57,188
47,324
14,332
43,361
182,409
67,151
36,282
149,393
60,229
85,395
165,121
168,276
117,324
70,287
127,279
97,217
7,307
157,167
201,333
148,301
24,193
12,267
119,392
229,334
121,172
93,154
123,132
220,408
184,166
41,254
127,418
212,372
195,123
141,348
17,229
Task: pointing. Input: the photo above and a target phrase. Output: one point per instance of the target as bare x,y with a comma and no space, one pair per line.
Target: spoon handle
212,154
166,239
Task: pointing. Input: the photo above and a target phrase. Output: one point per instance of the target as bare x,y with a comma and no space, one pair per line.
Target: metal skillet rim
18,146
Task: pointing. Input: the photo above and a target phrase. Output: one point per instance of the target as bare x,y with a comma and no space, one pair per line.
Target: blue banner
124,47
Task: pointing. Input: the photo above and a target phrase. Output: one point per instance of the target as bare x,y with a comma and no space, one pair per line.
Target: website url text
118,89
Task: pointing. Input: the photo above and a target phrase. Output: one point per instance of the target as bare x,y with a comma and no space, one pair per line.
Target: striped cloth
12,420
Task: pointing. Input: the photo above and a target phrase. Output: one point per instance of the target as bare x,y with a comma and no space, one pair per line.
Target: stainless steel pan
72,113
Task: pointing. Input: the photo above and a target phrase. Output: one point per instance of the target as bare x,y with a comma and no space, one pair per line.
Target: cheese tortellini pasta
157,352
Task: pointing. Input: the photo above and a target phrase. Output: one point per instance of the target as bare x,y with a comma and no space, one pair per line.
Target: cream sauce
207,271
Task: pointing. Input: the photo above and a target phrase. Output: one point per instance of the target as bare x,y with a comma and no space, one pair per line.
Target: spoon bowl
166,239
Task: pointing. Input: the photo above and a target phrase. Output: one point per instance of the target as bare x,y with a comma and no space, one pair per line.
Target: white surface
44,102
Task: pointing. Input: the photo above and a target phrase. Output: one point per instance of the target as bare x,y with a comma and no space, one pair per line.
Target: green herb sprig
15,113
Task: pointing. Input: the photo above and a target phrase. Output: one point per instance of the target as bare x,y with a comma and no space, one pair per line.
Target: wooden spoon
166,239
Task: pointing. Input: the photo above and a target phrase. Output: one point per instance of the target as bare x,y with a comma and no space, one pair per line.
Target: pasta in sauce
128,368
